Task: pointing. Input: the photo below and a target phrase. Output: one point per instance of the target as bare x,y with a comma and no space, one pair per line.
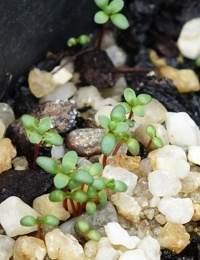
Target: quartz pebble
44,206
6,114
133,254
58,152
194,154
163,183
117,55
174,237
7,152
61,75
196,216
150,247
62,247
191,182
118,173
6,247
29,248
105,250
176,210
189,39
90,249
182,130
20,163
11,211
130,163
2,129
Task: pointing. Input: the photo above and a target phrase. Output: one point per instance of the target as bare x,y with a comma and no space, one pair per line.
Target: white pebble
176,210
6,247
154,202
11,212
163,183
189,39
150,247
121,174
61,75
2,129
7,115
119,236
58,152
194,154
136,254
117,55
103,111
182,130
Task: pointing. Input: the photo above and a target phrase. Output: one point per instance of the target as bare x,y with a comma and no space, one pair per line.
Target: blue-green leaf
44,125
101,3
118,113
121,127
115,6
48,164
120,21
53,138
133,146
61,180
104,121
69,161
139,110
57,196
108,143
35,138
100,17
130,97
82,176
96,169
102,197
29,122
143,99
79,196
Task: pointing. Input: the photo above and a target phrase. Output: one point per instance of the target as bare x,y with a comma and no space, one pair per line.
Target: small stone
2,129
189,39
149,213
196,216
62,247
194,154
130,163
176,210
191,182
127,206
8,152
182,130
174,237
86,142
154,202
11,212
133,254
63,92
20,163
163,183
90,249
119,236
160,218
150,247
105,250
44,206
6,114
58,152
118,173
117,55
61,75
29,248
40,82
6,247
103,111
142,189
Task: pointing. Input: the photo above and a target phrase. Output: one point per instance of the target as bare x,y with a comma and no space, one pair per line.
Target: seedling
197,61
88,233
157,141
40,133
110,11
119,123
82,39
30,221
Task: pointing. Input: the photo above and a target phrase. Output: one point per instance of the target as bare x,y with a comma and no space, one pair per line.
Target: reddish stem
36,152
133,70
100,38
74,210
104,160
39,235
118,145
148,145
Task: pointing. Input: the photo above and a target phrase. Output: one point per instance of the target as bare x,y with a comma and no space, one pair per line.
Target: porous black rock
27,184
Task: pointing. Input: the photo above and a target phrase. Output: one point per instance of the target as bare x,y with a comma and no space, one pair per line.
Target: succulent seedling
82,39
88,233
110,11
30,221
157,141
40,133
120,122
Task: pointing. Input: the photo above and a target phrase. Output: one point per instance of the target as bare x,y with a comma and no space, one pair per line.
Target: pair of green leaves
29,221
82,39
85,229
151,132
111,11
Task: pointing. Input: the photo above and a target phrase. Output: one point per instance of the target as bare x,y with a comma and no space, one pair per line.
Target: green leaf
115,6
102,197
133,146
61,180
73,184
35,138
83,225
151,131
120,21
96,169
121,127
99,183
126,107
48,164
83,39
157,141
94,235
71,42
44,125
69,161
28,221
104,121
108,143
139,110
51,220
130,97
110,184
57,196
79,196
197,61
92,193
100,17
82,176
101,3
120,186
130,122
143,99
53,138
90,207
118,113
112,125
29,122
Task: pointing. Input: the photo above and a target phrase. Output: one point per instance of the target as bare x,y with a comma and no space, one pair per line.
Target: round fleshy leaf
28,221
108,143
110,184
92,193
126,107
83,225
118,113
112,125
114,7
143,99
102,197
151,131
82,176
35,138
90,207
73,184
96,169
71,42
44,125
57,196
120,186
104,121
100,17
157,141
48,164
51,220
61,180
99,183
79,196
83,39
130,97
121,127
69,161
139,110
101,3
94,235
120,21
53,138
133,146
130,122
29,122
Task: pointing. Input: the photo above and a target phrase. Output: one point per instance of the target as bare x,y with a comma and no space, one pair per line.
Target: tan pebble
196,216
7,152
130,163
